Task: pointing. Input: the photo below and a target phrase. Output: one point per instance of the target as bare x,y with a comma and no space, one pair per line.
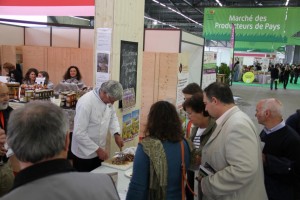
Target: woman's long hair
163,122
67,74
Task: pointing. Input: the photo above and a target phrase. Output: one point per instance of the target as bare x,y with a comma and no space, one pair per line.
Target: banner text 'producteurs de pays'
261,23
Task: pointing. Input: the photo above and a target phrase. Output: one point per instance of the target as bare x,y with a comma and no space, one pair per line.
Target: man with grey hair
38,135
281,150
6,173
95,116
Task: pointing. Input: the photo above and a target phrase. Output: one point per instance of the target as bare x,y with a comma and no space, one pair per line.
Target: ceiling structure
169,13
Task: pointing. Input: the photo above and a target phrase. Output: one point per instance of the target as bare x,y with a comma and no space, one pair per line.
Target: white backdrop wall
195,64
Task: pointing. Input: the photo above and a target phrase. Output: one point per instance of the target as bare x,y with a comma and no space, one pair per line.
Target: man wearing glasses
95,116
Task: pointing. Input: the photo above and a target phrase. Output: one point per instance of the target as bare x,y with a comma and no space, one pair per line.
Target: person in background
41,147
12,73
297,73
30,76
188,92
280,152
274,76
294,121
286,75
292,73
47,82
95,115
6,173
157,166
236,69
73,75
204,126
233,150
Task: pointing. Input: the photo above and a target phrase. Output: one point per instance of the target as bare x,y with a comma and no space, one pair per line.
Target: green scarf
158,168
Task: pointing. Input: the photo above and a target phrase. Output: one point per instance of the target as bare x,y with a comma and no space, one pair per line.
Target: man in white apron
95,116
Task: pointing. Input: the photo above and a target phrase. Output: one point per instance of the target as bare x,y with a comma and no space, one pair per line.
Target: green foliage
224,69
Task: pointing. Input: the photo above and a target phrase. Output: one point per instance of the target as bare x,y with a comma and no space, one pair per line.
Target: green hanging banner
251,24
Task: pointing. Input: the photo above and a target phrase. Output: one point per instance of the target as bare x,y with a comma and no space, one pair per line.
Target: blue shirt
139,184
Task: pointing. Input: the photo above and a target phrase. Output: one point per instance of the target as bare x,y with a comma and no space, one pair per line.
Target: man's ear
214,100
67,141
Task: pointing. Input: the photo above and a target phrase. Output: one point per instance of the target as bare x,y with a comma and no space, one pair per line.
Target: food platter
122,163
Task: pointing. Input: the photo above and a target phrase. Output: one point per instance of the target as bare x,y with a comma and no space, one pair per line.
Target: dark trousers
296,78
285,82
86,165
273,81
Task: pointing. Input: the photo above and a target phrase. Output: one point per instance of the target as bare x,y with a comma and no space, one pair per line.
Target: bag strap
188,129
183,177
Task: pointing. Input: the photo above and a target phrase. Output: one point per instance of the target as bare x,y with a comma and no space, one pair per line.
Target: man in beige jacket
233,150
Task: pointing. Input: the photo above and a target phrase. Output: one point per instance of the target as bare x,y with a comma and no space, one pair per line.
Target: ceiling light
220,4
287,2
179,13
159,22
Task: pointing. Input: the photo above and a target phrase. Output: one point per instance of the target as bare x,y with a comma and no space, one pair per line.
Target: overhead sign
48,8
254,24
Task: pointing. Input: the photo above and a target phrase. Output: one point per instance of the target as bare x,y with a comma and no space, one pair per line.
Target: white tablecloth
263,79
123,181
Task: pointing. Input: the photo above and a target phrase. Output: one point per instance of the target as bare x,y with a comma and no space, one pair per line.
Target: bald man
6,174
281,152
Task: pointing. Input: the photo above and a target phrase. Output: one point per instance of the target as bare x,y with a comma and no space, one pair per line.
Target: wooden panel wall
34,57
56,61
148,85
168,72
65,37
37,36
159,81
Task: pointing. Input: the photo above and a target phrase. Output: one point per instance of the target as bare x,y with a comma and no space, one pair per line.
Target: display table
263,78
122,181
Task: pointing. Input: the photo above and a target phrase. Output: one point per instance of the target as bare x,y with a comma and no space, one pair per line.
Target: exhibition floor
250,94
267,85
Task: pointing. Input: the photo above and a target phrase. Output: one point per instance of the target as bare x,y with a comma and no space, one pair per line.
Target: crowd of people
243,163
284,74
71,76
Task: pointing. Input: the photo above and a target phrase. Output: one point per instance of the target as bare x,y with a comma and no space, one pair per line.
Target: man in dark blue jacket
281,150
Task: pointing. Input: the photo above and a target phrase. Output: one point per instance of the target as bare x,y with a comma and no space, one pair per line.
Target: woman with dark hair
30,76
204,126
157,171
73,75
47,82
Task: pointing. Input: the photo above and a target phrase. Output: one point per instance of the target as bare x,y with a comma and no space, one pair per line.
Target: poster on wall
103,68
126,128
130,128
128,65
135,122
210,60
103,48
128,99
264,64
209,68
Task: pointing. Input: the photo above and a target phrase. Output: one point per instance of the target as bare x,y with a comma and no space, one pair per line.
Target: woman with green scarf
157,167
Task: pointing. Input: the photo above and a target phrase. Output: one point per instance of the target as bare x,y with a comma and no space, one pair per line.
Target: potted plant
224,69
